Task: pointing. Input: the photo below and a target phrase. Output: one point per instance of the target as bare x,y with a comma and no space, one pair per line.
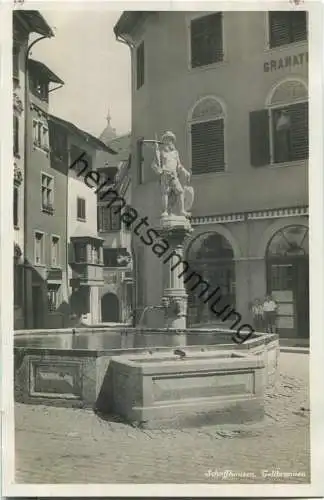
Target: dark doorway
288,279
211,256
37,306
110,308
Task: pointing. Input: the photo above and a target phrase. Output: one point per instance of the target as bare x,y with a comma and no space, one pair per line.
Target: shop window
53,297
207,40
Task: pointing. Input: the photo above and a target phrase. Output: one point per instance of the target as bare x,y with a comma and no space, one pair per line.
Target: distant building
116,294
24,23
233,87
84,248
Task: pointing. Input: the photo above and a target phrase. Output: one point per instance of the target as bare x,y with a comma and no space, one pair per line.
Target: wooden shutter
15,206
16,134
207,40
140,66
279,26
299,130
207,146
259,138
140,160
299,26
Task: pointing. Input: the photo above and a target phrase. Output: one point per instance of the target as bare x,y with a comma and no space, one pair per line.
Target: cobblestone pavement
59,445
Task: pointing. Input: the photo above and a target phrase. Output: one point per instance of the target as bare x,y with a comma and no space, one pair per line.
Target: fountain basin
197,389
61,368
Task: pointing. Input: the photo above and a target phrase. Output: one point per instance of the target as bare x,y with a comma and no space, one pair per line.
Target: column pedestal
174,229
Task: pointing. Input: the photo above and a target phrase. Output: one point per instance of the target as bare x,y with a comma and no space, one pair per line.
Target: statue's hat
168,135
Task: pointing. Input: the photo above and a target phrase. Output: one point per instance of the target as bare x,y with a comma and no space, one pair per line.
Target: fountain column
175,229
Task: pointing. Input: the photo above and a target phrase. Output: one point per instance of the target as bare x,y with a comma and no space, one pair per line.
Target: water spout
147,308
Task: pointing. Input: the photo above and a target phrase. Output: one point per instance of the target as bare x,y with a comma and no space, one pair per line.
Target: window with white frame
53,297
279,133
47,192
206,34
40,135
81,209
207,137
287,27
55,251
39,248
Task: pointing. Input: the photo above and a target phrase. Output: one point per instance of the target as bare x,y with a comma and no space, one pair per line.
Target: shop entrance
288,279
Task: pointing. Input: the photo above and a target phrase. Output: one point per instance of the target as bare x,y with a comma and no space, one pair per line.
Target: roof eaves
85,135
52,77
35,22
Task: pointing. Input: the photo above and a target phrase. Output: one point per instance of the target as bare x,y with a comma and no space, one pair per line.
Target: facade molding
255,215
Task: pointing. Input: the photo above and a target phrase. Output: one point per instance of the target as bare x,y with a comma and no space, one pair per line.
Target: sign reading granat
286,62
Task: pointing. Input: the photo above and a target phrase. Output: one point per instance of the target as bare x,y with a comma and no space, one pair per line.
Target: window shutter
16,134
299,25
15,206
140,66
279,24
140,160
207,145
299,130
207,40
259,138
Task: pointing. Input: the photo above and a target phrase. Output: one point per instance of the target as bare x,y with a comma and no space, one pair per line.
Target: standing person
270,307
258,315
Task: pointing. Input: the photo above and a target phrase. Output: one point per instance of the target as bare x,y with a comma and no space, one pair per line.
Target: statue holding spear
177,195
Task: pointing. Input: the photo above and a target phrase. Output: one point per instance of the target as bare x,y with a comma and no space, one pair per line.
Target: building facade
45,210
84,245
117,292
24,23
235,93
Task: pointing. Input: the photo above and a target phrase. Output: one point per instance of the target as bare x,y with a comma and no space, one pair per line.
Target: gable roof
90,139
121,146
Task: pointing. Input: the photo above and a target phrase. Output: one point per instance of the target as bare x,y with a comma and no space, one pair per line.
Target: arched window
290,241
279,133
207,137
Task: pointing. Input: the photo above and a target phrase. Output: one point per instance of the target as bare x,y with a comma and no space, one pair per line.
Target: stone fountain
162,389
166,377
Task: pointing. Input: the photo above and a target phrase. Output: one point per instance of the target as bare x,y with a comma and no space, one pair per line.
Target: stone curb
295,350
